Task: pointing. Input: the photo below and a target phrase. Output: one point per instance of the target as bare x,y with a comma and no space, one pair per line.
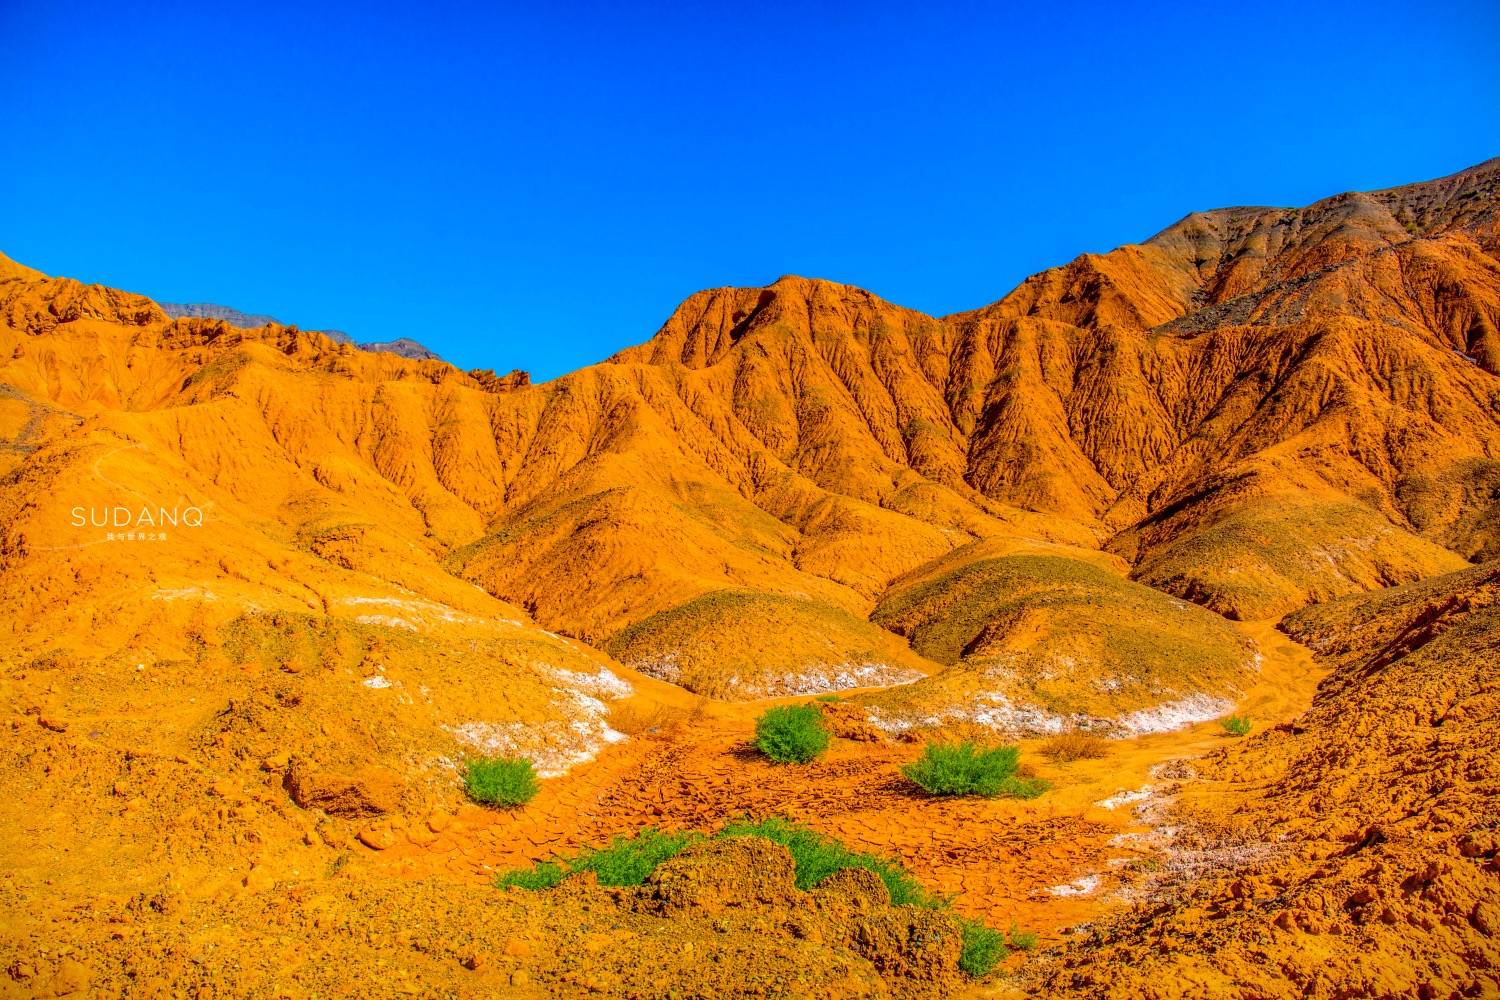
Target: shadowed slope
1040,639
739,644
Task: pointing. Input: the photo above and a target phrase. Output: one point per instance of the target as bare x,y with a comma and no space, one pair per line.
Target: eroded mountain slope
1258,408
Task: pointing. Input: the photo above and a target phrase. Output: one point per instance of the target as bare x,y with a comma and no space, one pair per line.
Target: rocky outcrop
372,791
403,347
211,310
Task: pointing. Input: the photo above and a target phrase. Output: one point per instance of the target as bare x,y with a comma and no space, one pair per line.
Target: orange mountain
225,549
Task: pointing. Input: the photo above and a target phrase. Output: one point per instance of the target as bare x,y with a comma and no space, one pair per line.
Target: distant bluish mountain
208,310
403,346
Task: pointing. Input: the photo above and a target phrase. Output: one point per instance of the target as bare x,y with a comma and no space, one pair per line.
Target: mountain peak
707,324
9,270
212,310
1465,199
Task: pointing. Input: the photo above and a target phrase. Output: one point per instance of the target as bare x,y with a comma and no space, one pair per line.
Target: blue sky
526,187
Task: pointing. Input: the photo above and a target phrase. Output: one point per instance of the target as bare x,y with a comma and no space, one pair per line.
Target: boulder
370,791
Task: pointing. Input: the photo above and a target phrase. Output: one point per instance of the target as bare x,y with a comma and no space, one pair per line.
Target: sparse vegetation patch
629,861
1021,940
816,857
1075,745
983,948
542,875
623,861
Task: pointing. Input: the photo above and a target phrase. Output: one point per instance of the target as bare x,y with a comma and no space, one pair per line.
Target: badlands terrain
265,591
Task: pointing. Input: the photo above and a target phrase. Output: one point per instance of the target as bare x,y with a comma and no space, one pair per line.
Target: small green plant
500,781
830,698
966,769
983,948
791,734
631,860
542,875
623,861
1236,725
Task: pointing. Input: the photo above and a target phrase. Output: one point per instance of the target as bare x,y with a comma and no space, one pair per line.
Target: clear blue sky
537,185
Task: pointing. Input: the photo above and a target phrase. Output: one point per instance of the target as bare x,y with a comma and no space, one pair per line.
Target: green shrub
965,769
816,857
1236,725
500,781
542,875
631,860
791,734
983,948
623,861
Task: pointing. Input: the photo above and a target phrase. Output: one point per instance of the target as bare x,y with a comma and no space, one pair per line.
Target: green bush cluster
967,769
791,734
983,948
628,861
623,861
816,857
500,781
542,875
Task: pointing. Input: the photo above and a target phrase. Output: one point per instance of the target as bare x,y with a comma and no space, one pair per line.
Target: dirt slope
1355,847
